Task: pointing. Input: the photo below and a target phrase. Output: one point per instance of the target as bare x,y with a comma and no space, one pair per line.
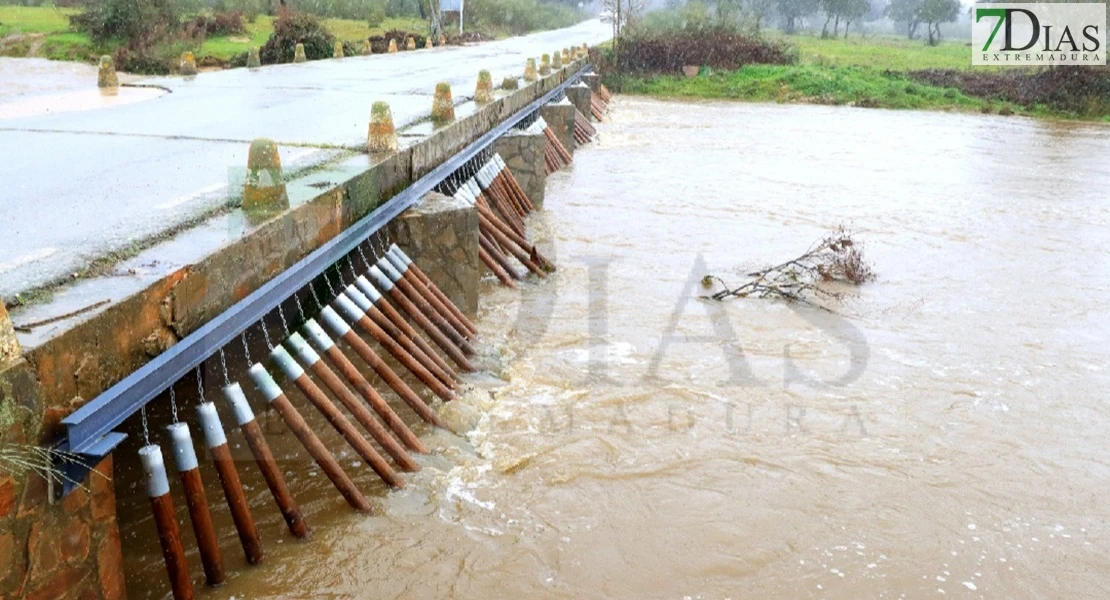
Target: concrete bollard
367,49
557,60
442,40
106,77
443,107
264,191
382,136
298,54
392,47
530,71
254,61
410,43
592,80
9,344
188,64
337,50
483,92
510,83
428,43
567,58
545,65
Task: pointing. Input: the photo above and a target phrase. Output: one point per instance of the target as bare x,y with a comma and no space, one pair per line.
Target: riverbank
887,73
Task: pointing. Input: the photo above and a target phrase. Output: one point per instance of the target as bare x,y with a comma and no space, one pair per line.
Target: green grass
30,19
849,85
879,52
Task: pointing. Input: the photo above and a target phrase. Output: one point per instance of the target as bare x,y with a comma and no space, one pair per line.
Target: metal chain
316,296
284,323
223,367
331,285
146,427
351,266
173,404
200,385
300,307
363,256
246,348
266,334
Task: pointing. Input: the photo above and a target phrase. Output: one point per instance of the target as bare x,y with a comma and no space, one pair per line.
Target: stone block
580,95
440,234
523,153
592,80
560,117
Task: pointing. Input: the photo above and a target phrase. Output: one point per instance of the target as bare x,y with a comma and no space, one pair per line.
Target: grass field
814,83
47,34
879,52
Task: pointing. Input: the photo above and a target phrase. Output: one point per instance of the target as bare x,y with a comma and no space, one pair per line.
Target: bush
292,28
375,16
136,21
718,45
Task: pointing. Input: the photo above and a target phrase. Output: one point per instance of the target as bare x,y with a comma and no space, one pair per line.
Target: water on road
943,437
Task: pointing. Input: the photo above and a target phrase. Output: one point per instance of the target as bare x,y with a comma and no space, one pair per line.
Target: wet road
81,184
943,438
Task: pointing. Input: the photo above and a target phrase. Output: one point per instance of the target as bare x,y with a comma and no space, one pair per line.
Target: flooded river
945,436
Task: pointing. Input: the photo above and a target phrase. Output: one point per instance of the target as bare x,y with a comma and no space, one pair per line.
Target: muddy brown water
944,437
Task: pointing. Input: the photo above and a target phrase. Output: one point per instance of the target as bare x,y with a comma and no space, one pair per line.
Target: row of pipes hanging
388,300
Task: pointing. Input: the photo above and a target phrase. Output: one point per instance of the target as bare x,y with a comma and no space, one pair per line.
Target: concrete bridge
140,202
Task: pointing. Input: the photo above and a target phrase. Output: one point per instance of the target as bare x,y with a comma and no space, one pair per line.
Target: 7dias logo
1038,34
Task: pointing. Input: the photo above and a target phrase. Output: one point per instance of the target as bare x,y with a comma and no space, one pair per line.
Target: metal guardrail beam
89,429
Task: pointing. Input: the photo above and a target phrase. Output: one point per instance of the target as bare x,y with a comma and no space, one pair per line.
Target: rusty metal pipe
357,316
383,283
325,344
165,521
371,305
484,243
229,478
362,414
331,412
394,317
523,243
188,469
515,250
264,457
296,423
432,287
422,290
514,184
495,268
343,331
400,283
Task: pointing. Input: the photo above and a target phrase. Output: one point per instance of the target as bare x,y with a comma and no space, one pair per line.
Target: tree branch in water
834,258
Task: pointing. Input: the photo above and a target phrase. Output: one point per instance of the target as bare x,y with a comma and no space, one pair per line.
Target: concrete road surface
81,184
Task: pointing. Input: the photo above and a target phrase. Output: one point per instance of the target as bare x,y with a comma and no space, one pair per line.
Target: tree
792,11
907,12
935,12
758,10
853,10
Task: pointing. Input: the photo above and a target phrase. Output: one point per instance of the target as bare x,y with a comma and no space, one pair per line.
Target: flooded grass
880,52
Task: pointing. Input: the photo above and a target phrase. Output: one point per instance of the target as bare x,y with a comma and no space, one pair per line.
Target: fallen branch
834,258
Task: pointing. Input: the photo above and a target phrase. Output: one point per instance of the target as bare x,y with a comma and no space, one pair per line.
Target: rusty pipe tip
392,47
184,455
337,50
210,425
106,73
238,402
298,54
